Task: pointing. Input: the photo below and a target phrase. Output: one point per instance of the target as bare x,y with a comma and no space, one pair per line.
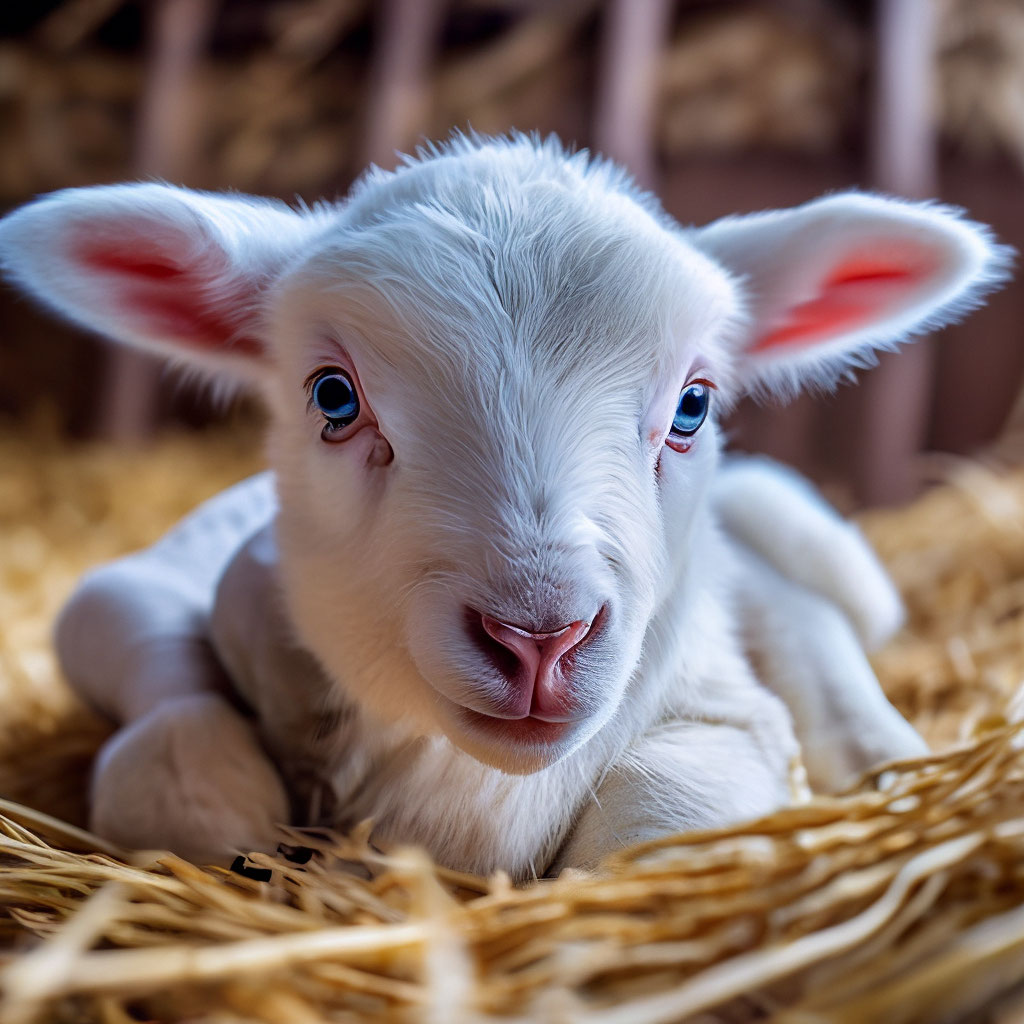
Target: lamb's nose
539,656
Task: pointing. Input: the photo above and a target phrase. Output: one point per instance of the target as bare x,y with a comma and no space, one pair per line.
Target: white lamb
501,593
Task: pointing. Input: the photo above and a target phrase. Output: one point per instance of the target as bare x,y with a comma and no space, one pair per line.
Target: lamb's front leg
685,775
191,777
185,771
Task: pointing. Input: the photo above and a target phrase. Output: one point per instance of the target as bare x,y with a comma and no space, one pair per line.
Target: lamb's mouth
524,732
531,731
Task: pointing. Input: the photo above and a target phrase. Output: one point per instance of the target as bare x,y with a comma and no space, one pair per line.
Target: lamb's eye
692,409
336,397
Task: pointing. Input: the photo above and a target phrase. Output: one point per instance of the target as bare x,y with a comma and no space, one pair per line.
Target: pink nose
540,656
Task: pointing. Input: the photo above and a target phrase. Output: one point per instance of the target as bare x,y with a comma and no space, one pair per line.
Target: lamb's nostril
502,658
536,652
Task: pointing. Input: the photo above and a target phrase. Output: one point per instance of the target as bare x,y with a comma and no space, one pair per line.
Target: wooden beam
894,400
632,41
903,122
400,77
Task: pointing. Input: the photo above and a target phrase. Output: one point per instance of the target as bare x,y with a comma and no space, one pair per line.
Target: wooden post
399,96
167,147
632,40
894,400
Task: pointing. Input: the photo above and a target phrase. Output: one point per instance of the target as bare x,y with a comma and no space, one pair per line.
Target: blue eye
692,409
336,397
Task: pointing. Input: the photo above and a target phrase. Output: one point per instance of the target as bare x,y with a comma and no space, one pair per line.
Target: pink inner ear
854,293
170,301
136,264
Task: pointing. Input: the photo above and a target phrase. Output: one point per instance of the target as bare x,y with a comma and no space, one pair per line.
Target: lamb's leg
812,596
806,651
775,512
185,771
682,776
191,777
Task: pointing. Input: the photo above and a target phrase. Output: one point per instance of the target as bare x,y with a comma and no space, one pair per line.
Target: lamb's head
493,379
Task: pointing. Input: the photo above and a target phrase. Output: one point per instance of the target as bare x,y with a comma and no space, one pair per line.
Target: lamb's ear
829,282
171,270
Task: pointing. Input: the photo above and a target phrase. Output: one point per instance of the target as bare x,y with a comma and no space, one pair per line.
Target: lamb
502,592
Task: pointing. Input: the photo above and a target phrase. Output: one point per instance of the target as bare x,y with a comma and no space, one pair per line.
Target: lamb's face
479,546
488,375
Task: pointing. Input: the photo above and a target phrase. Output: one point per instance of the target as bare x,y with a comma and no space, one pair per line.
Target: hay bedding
900,901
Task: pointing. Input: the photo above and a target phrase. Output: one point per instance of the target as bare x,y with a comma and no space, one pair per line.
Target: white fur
521,322
778,514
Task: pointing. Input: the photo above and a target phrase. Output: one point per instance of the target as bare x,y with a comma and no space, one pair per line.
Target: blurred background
718,106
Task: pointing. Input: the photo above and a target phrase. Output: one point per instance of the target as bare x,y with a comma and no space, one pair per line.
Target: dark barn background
718,106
